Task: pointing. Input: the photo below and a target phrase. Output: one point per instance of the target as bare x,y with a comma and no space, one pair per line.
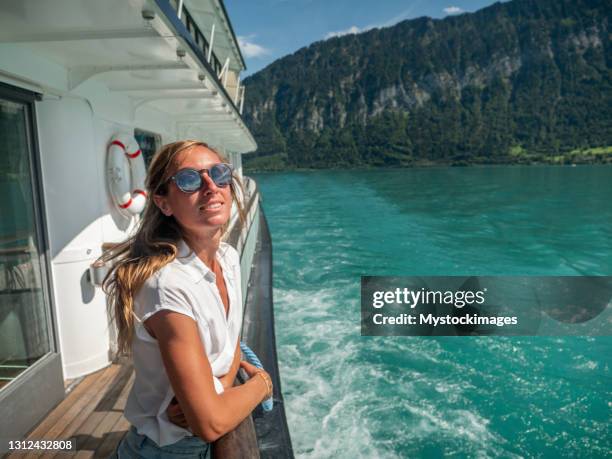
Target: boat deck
91,414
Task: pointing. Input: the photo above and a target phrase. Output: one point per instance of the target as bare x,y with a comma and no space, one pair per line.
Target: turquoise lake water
352,396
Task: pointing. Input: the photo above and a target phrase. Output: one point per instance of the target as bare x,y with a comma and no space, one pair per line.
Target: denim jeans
135,446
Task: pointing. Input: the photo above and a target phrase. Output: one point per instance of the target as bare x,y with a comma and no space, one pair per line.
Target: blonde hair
154,245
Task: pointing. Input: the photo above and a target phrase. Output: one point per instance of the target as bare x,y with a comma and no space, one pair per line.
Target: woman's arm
210,415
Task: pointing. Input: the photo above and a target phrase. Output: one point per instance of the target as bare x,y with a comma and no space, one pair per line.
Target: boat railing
227,78
237,233
240,442
192,27
183,21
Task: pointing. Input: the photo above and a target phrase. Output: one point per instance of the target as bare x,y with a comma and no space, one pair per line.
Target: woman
175,292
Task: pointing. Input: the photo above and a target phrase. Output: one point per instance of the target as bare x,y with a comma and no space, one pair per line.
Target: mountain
522,81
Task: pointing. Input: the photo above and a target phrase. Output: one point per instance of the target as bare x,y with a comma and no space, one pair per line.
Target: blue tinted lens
188,180
221,174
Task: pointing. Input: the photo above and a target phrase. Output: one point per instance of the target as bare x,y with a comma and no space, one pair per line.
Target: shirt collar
196,267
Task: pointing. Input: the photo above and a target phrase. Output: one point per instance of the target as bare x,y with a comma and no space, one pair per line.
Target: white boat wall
73,75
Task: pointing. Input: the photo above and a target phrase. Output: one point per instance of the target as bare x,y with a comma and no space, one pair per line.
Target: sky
270,29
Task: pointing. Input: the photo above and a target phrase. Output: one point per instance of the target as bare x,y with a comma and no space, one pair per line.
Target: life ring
126,185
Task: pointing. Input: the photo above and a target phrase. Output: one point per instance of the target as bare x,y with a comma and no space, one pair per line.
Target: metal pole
210,44
237,91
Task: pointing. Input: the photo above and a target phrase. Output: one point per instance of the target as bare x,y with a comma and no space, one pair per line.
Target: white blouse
187,286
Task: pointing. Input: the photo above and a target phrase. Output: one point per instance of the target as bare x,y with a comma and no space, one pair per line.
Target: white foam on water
322,378
468,429
444,387
586,365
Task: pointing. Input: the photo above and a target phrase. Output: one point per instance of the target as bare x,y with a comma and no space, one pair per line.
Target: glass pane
148,143
24,334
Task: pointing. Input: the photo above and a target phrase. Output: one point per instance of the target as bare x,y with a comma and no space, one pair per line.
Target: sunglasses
190,180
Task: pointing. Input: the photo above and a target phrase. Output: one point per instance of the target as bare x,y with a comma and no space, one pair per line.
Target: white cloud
350,30
452,10
250,48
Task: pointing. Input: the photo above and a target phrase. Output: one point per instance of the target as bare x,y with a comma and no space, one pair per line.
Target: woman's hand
176,415
259,373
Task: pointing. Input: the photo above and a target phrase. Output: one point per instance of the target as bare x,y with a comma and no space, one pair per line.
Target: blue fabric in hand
250,356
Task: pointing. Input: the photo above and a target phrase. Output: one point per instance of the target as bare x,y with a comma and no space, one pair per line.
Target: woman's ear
162,202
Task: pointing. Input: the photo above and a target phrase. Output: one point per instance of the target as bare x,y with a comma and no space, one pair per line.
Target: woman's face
207,209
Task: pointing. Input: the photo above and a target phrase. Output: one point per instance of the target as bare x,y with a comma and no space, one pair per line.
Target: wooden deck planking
92,414
73,404
82,408
101,424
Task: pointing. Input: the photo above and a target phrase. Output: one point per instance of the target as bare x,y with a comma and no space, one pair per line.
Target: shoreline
600,161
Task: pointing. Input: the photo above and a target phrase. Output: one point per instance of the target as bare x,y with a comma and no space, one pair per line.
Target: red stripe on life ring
119,144
142,192
126,205
133,155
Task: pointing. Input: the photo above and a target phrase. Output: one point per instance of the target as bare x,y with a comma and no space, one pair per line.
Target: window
24,308
149,143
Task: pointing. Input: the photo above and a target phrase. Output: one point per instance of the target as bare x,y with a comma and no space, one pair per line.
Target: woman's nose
210,184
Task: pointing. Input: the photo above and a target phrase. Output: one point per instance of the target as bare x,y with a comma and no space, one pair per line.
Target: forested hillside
522,81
